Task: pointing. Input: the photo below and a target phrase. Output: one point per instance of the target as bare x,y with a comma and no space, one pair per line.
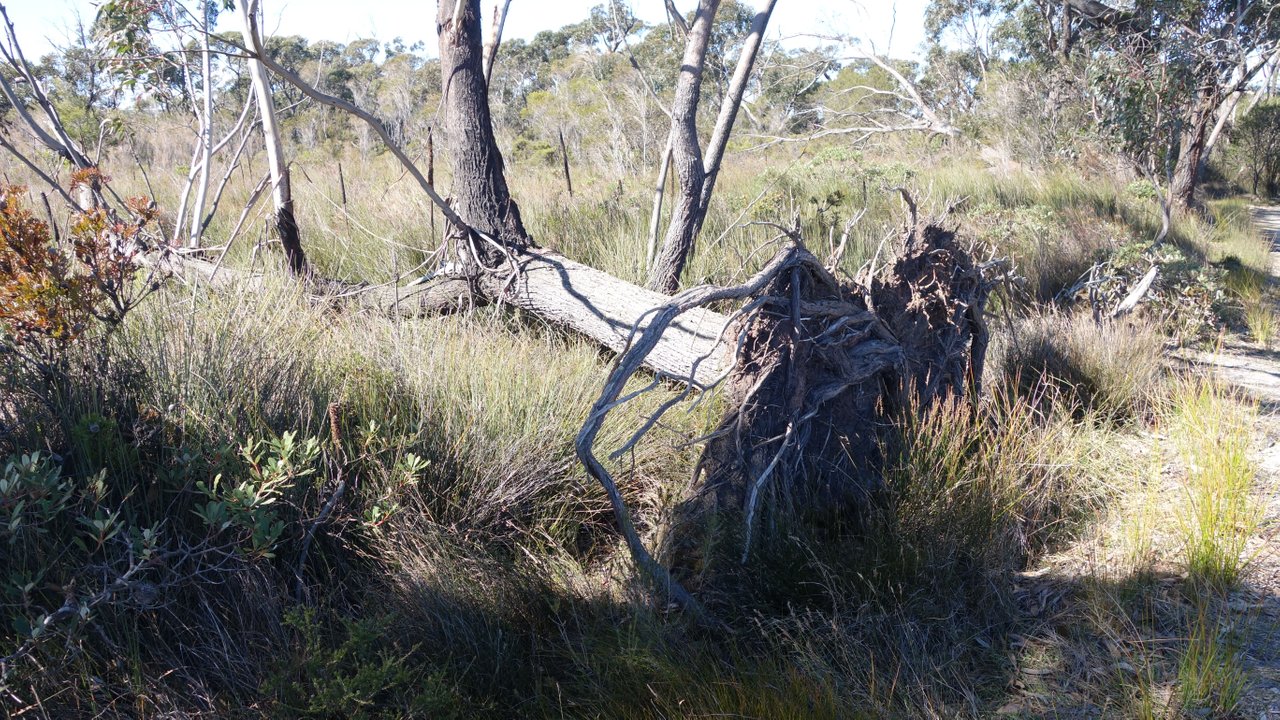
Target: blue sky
42,22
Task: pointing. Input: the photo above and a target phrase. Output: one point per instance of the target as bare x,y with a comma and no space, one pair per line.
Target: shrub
56,290
358,670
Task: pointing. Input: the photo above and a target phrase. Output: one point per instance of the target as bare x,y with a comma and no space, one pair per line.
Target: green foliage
1212,433
1142,190
34,494
100,445
358,669
1189,297
1211,675
538,152
1257,146
52,527
975,492
249,507
1140,77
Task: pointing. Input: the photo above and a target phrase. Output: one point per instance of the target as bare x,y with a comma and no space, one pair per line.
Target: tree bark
1066,30
495,42
281,192
655,217
686,155
732,102
480,194
698,172
1191,154
566,293
206,131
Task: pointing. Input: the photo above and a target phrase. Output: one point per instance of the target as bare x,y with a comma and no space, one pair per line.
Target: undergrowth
260,506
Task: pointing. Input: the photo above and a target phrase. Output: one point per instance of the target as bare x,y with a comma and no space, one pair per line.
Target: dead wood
820,374
565,293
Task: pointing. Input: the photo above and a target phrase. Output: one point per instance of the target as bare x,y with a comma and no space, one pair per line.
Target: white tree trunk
281,193
206,132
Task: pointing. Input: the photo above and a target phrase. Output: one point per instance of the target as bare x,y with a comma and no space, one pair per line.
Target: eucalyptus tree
697,168
1257,143
1164,75
167,51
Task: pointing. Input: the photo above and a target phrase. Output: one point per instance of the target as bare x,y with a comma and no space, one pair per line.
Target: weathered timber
566,293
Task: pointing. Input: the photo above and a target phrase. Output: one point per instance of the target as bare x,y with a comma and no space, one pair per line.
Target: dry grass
489,581
1135,618
1109,368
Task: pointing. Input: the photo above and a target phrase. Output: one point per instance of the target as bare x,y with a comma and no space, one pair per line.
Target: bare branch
495,40
677,19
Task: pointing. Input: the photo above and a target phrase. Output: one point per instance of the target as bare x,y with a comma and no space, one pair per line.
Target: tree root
819,372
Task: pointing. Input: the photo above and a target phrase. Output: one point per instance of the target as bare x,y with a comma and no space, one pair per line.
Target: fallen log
565,293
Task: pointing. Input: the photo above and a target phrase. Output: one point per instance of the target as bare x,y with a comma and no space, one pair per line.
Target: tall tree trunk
480,194
1191,152
281,192
686,155
698,172
732,102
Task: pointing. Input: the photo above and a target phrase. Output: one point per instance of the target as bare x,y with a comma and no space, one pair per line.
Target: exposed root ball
822,372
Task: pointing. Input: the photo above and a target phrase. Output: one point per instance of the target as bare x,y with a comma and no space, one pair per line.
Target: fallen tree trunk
568,294
578,298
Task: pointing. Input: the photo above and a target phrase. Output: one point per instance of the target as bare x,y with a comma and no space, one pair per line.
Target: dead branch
1135,296
495,39
626,366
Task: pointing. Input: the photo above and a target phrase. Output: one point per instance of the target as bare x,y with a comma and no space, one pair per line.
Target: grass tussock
1212,432
1112,369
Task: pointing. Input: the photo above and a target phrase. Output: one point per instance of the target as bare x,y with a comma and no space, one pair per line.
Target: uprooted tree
814,370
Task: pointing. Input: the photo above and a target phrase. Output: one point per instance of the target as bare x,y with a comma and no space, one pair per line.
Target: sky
894,28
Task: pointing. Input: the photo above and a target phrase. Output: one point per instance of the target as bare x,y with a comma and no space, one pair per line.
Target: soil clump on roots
823,373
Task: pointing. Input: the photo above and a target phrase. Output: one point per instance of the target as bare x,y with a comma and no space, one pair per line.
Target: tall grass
473,569
1110,369
1212,431
1211,674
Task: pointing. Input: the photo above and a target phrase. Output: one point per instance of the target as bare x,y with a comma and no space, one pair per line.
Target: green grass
1212,431
1211,674
1262,320
472,563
